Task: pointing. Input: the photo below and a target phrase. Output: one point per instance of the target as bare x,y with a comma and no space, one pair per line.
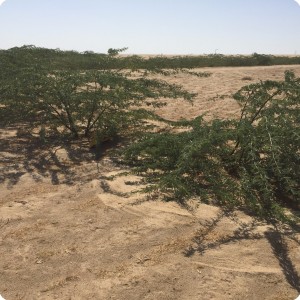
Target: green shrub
252,163
81,102
56,59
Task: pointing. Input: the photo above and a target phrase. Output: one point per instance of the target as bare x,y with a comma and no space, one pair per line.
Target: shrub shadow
281,252
202,243
276,237
22,153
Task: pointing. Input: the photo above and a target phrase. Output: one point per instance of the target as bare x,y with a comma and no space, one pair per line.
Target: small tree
80,101
115,52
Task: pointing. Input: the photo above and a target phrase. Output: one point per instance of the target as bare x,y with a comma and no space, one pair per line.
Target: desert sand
71,230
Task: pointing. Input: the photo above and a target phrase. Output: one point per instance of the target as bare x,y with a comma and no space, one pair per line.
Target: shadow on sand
22,153
277,238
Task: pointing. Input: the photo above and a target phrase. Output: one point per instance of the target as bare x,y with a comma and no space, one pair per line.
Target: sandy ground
71,230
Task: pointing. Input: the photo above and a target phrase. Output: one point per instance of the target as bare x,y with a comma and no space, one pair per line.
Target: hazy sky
154,26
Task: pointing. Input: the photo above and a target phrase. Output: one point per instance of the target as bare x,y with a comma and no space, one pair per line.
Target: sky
153,26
